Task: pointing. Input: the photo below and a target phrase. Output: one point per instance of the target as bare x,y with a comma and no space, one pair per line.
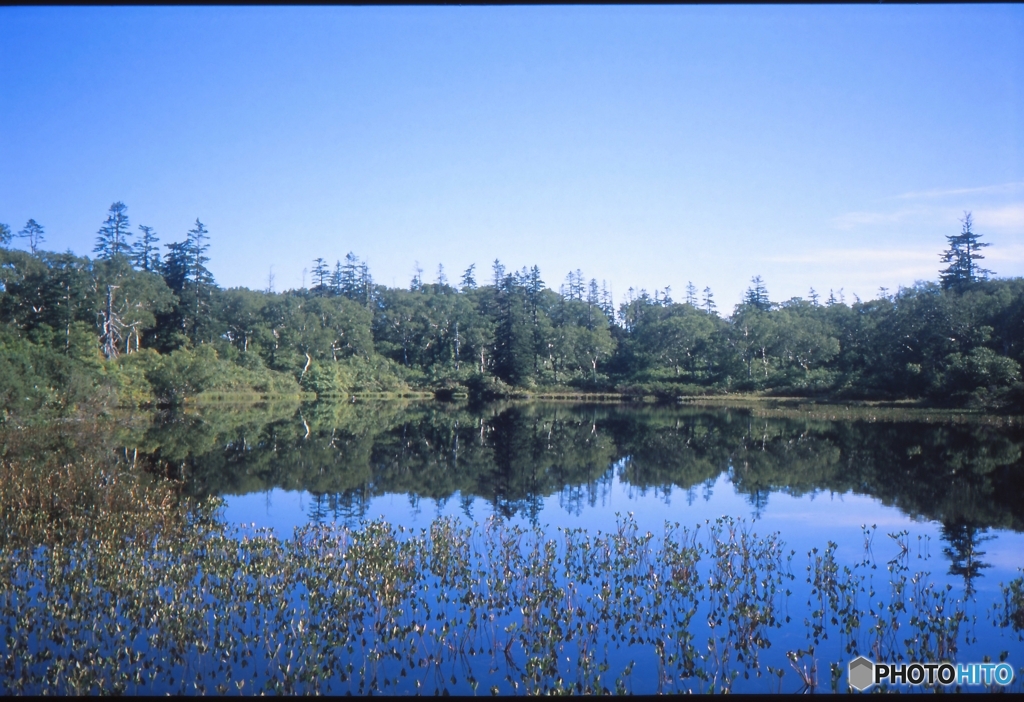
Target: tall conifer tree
33,231
962,256
145,253
112,238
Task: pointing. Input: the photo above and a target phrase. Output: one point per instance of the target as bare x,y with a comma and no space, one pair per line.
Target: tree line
133,325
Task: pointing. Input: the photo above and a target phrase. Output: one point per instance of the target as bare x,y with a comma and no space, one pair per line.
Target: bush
482,388
191,372
979,378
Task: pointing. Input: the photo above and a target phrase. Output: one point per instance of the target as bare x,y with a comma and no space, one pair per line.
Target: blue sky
824,146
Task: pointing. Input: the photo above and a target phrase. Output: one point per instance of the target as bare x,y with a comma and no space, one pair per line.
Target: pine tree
33,231
336,278
575,286
691,294
962,256
365,294
533,287
175,267
514,340
349,283
607,303
757,294
709,301
813,295
145,252
320,273
175,270
199,280
112,239
5,234
468,281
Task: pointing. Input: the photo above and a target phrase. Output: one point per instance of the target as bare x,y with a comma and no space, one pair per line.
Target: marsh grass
489,607
65,483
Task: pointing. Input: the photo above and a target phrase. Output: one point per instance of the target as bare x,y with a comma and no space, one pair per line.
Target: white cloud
950,192
851,220
1009,216
1014,253
1006,217
856,256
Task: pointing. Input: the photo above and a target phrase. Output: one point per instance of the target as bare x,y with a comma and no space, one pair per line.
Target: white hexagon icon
861,673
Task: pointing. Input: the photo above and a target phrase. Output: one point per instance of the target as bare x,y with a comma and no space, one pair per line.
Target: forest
142,325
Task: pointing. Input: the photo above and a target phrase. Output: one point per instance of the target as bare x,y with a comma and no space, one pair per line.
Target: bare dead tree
111,337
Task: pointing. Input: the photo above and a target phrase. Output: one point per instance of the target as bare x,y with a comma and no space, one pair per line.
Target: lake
875,521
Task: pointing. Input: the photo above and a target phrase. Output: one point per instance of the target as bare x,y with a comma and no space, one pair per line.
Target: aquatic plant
453,608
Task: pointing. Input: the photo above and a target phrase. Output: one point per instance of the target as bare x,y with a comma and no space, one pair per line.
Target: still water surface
939,496
917,511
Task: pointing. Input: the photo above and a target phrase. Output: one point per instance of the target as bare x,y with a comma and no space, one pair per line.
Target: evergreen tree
468,281
185,273
962,256
145,253
175,267
534,285
514,348
5,234
757,294
320,274
691,294
33,231
173,325
575,286
814,297
607,303
365,294
709,301
349,283
336,277
112,239
442,279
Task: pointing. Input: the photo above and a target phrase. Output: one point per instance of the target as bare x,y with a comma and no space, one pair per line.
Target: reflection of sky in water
805,522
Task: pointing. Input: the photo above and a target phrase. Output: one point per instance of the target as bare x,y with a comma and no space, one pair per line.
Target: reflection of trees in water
964,555
637,487
572,498
513,457
758,500
709,489
347,507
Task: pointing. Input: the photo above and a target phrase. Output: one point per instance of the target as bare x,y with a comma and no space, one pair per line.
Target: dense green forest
132,326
